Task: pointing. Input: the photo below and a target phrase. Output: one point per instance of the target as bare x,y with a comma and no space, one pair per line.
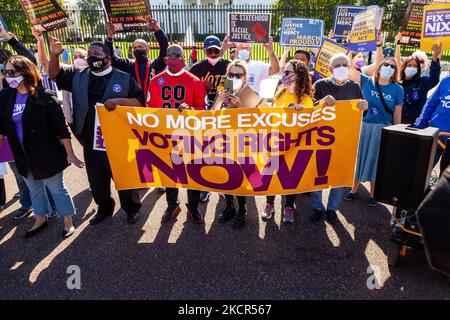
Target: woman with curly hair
295,92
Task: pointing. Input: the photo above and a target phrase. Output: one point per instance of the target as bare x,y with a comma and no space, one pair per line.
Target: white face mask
386,72
237,83
14,82
244,55
213,61
340,73
79,62
410,71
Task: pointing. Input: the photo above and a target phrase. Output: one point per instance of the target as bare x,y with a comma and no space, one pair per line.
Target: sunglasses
8,72
393,66
175,55
234,75
286,73
213,50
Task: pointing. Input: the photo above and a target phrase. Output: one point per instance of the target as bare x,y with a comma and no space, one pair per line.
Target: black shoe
133,218
331,216
195,216
226,214
170,213
31,233
99,217
67,234
240,221
23,213
316,216
204,196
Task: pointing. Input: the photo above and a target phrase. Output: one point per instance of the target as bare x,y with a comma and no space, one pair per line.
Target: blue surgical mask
2,66
410,72
386,72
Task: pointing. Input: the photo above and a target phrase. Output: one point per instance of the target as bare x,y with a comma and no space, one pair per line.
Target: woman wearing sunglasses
385,99
237,72
33,121
295,92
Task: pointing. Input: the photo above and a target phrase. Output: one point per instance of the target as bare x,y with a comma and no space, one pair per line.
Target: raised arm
435,68
116,61
56,49
42,55
274,64
398,49
370,69
284,57
17,46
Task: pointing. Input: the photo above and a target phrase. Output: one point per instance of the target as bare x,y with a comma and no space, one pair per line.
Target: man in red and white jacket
177,88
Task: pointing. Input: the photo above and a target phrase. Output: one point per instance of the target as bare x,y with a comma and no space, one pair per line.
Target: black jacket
43,126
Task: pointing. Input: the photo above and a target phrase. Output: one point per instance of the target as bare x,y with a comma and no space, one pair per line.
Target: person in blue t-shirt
385,98
436,113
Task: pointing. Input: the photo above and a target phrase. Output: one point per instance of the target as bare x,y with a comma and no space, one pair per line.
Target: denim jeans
334,199
24,193
39,199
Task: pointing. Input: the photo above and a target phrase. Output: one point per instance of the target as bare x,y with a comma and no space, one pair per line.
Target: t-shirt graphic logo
18,108
374,111
161,81
117,88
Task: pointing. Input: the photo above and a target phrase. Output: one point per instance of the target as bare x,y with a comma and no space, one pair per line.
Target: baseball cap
211,42
388,52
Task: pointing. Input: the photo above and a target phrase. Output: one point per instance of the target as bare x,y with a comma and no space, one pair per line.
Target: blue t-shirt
393,95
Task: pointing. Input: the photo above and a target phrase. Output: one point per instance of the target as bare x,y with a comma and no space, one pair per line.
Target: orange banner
264,151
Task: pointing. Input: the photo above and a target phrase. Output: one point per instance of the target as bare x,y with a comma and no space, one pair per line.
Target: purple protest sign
6,154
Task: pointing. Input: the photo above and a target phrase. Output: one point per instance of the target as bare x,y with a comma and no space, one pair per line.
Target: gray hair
337,56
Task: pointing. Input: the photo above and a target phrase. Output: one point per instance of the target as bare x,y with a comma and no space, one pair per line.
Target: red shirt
168,91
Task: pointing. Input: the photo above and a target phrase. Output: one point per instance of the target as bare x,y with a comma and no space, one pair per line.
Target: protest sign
435,27
98,143
47,15
251,151
328,49
363,36
248,27
302,32
3,26
6,154
343,20
128,15
412,25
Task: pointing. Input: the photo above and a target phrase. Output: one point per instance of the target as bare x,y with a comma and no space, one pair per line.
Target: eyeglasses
393,66
8,72
213,50
175,55
287,72
234,75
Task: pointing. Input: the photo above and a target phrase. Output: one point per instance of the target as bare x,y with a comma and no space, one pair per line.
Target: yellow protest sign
327,50
255,151
363,35
435,27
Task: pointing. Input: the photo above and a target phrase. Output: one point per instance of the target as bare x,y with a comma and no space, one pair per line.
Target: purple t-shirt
19,107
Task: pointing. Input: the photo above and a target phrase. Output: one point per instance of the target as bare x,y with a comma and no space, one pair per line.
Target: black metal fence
187,25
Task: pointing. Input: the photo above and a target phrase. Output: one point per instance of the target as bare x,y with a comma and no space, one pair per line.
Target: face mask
140,54
360,62
386,72
237,84
213,61
410,72
79,62
287,80
95,63
14,82
340,73
175,65
244,55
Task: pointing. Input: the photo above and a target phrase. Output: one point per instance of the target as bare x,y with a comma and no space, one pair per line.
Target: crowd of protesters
38,127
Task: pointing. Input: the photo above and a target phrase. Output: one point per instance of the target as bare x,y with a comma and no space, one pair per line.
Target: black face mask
140,54
96,64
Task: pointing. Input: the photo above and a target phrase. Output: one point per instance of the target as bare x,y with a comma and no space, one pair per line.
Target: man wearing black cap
211,70
98,83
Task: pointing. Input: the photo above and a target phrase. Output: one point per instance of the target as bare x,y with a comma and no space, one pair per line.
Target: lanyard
147,77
